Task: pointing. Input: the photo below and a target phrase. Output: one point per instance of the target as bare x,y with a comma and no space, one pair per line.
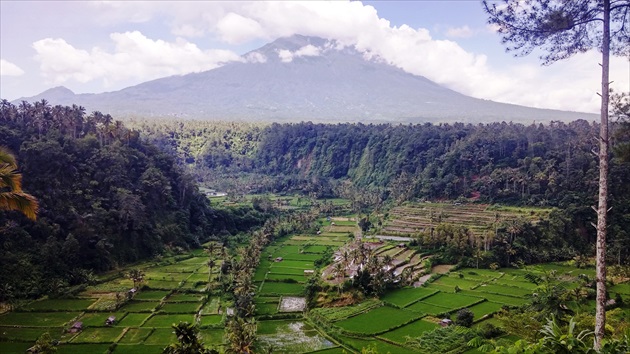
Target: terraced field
412,218
174,291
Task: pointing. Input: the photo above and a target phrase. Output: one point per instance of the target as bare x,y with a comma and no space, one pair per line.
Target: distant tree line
551,165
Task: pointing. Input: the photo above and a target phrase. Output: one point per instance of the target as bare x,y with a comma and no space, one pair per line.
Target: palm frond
20,201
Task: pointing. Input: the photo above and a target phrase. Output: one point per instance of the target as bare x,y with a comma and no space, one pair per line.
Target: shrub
464,317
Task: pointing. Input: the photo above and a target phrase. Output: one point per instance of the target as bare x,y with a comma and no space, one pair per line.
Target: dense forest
550,165
113,193
106,198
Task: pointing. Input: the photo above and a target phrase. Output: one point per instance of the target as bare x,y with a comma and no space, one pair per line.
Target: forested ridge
111,195
550,165
106,199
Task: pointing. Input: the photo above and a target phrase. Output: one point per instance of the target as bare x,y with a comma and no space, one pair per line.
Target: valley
306,299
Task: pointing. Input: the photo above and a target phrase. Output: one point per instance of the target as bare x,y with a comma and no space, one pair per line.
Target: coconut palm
136,275
240,335
188,341
11,195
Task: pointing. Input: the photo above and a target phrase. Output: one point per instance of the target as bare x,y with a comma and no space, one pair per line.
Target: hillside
303,78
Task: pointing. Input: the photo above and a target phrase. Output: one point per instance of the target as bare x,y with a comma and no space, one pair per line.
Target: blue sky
108,45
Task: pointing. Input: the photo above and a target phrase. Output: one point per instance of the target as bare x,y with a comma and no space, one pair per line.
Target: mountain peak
303,78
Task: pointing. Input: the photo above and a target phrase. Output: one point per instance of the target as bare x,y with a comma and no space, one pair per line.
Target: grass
503,290
284,270
381,346
212,336
165,321
451,301
59,305
293,264
37,319
282,277
266,308
140,306
14,348
304,257
116,285
133,320
377,320
452,282
161,336
97,319
315,249
333,314
413,329
485,308
502,299
212,306
151,295
28,334
406,296
282,288
180,307
334,350
163,284
83,348
201,277
178,268
98,335
135,335
209,320
260,273
138,349
184,297
422,307
623,288
153,276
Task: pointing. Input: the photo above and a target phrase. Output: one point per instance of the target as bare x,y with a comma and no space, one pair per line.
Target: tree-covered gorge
105,198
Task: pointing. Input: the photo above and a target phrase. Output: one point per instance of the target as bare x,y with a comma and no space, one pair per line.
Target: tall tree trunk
602,209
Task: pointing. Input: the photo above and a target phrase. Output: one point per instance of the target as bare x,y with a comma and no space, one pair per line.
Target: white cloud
309,50
7,68
255,57
236,29
459,32
570,84
135,57
286,56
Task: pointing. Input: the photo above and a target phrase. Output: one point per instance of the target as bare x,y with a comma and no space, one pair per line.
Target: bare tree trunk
602,209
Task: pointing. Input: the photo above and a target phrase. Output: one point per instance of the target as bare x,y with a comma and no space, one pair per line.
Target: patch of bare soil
292,304
442,268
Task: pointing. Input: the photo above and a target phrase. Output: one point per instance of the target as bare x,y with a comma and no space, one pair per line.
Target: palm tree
240,334
188,341
11,195
136,275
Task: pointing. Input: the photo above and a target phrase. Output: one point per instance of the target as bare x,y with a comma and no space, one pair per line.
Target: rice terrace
310,296
315,177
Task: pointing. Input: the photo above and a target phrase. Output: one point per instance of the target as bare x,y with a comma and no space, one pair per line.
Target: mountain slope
304,78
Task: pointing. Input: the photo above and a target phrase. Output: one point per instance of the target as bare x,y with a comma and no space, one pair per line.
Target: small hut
279,259
76,327
110,321
308,272
445,322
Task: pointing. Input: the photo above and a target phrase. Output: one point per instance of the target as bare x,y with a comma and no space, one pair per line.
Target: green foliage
464,317
188,341
106,198
45,345
442,340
